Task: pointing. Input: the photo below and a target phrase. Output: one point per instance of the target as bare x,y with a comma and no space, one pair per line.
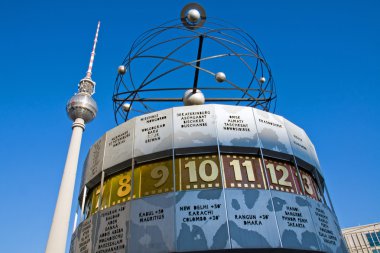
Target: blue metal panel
251,219
201,222
152,224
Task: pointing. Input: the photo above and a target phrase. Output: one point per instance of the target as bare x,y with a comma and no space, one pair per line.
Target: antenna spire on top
89,71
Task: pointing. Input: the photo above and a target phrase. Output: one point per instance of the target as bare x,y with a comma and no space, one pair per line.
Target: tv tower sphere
83,106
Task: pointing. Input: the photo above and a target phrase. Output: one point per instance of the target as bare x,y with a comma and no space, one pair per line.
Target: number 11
237,170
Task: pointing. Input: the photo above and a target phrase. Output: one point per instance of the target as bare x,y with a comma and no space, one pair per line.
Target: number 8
125,187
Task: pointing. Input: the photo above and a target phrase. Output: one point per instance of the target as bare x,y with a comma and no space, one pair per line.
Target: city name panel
201,178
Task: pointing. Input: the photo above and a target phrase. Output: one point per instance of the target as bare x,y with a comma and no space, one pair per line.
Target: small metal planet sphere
190,98
193,15
126,107
220,77
262,80
121,70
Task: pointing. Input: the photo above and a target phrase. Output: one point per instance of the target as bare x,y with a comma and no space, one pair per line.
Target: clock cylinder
205,178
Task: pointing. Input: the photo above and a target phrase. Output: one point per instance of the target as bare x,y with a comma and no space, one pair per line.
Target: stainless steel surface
220,77
83,106
121,70
190,98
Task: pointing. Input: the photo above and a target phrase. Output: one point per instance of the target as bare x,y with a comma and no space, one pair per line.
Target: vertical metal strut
198,64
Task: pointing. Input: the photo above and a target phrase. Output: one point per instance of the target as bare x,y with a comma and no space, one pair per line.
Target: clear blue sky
324,56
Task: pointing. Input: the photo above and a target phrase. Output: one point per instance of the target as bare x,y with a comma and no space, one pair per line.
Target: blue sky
324,56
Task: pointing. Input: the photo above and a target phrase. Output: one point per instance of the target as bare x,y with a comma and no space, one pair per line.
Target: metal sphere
220,77
262,80
121,70
190,98
126,107
193,15
83,106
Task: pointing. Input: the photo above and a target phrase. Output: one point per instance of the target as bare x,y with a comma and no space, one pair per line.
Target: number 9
161,173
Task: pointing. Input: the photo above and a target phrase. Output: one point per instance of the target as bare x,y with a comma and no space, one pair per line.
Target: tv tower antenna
82,109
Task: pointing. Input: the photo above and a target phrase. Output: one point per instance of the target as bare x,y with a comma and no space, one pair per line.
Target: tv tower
81,108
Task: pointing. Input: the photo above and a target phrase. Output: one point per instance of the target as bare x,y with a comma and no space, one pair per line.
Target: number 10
202,171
